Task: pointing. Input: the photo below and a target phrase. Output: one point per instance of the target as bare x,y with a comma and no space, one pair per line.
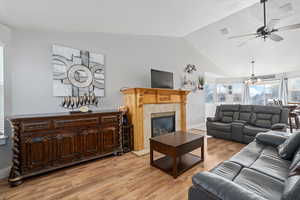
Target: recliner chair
241,123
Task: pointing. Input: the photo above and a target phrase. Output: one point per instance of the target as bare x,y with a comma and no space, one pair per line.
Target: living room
149,99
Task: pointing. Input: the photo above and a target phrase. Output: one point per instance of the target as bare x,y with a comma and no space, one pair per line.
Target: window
294,90
229,93
257,94
221,93
209,90
264,93
237,91
1,93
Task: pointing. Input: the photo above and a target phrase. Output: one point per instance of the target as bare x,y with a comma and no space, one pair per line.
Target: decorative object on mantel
189,81
190,68
78,76
253,79
201,82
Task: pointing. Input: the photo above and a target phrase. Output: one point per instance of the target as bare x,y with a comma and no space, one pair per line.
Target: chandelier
253,79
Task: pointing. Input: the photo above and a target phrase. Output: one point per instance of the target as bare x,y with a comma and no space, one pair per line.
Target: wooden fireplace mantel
135,98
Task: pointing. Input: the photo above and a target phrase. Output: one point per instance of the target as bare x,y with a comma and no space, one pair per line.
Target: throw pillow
287,149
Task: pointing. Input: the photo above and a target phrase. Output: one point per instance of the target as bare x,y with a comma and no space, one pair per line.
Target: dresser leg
15,181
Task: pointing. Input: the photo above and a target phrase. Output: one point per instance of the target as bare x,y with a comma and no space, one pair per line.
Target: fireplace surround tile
150,109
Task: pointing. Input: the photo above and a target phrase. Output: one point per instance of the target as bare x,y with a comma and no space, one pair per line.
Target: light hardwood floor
125,177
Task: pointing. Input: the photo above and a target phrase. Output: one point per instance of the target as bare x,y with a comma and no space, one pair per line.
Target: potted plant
201,82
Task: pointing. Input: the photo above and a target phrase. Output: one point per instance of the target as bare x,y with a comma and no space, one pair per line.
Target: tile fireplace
162,123
144,103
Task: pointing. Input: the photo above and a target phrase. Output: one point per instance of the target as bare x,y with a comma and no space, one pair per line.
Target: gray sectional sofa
257,172
241,123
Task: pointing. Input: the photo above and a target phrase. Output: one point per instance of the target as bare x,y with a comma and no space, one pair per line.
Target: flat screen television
161,79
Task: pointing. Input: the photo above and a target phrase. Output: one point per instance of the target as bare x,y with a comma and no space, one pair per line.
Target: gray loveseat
241,123
257,172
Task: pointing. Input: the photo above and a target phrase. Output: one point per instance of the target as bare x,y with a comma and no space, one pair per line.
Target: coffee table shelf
184,163
176,147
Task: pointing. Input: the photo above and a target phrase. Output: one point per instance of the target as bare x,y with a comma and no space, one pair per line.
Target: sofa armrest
279,127
211,119
272,138
222,188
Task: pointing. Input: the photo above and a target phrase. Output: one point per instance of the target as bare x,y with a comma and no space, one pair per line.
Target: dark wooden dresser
47,142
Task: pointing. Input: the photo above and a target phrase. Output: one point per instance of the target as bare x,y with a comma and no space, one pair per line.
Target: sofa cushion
275,167
245,116
227,119
287,149
230,107
296,161
217,187
270,151
292,188
253,131
220,126
260,184
265,116
267,109
245,157
228,113
228,170
272,138
255,147
245,113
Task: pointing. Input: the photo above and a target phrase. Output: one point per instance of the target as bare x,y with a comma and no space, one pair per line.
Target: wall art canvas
77,72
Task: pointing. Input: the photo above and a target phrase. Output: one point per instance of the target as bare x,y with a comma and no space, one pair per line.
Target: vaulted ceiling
141,17
270,56
206,24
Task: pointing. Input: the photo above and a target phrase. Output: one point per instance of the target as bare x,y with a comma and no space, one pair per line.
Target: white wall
128,63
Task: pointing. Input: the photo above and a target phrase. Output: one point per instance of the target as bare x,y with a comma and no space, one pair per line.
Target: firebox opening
162,123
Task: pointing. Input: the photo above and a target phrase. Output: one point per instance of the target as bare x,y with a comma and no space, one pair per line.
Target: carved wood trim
15,173
136,98
64,143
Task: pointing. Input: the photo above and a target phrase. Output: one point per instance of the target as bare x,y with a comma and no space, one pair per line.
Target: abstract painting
77,72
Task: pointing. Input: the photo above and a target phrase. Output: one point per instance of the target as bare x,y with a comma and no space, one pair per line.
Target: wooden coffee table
176,147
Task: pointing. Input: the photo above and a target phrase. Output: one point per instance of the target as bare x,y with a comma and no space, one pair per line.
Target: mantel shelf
135,98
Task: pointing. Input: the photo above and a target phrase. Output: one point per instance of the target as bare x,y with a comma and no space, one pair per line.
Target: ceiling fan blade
290,27
241,36
275,37
271,24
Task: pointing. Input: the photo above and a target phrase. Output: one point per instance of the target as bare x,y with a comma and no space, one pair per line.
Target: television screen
161,79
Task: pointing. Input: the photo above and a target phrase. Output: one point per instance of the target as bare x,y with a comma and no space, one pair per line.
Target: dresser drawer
76,122
109,119
35,126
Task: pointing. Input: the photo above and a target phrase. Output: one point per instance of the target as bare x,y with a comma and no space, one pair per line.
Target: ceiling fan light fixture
252,80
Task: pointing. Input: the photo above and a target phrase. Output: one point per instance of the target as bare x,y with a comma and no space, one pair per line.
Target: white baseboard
4,172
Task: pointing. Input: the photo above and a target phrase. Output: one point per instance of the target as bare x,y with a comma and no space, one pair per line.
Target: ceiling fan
268,30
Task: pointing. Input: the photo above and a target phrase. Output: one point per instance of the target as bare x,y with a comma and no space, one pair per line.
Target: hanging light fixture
253,79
